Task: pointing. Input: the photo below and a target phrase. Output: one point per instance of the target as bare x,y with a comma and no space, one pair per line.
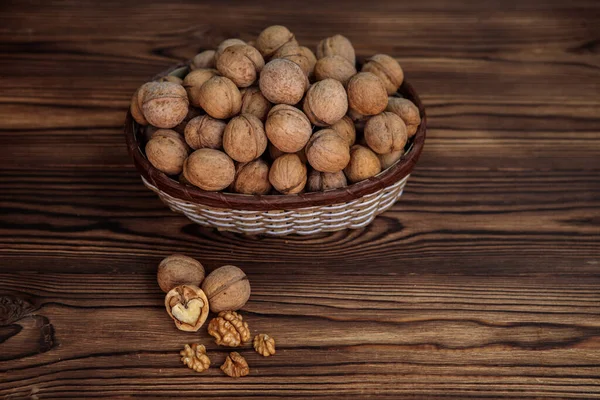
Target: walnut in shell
387,69
275,153
321,181
194,81
327,151
253,102
240,63
303,56
235,365
336,45
205,59
167,151
363,164
288,174
244,139
136,109
366,94
326,102
220,98
283,82
346,129
264,345
334,67
171,78
227,288
188,306
205,132
406,110
209,169
229,329
176,270
272,38
194,357
225,44
385,133
192,113
164,104
389,159
252,178
288,128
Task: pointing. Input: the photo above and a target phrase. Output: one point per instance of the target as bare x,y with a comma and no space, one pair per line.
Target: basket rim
192,194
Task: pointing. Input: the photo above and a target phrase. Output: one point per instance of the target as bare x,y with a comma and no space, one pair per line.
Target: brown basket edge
279,202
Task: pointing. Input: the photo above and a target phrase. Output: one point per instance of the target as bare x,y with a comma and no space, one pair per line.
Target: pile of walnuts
271,117
190,296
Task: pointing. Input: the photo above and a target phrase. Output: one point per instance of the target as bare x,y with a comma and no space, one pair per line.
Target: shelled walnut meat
210,125
194,357
264,345
229,329
235,365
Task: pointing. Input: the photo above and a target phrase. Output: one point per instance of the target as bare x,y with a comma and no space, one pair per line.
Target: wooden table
483,281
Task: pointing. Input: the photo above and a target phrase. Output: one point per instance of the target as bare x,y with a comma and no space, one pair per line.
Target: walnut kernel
235,365
264,345
194,357
229,329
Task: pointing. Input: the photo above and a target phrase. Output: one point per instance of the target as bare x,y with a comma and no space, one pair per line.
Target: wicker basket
304,214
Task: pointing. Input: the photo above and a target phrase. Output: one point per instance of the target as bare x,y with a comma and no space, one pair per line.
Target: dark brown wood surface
482,282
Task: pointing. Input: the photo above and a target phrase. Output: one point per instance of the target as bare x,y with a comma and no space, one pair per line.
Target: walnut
252,178
321,181
264,345
334,67
220,98
363,164
205,59
367,94
244,138
325,102
288,128
406,110
272,38
194,81
205,132
240,63
194,357
188,306
177,270
225,44
192,113
283,82
229,329
227,288
385,133
275,153
164,104
136,109
389,159
346,129
235,365
167,151
288,174
209,169
327,151
303,56
387,69
253,102
336,45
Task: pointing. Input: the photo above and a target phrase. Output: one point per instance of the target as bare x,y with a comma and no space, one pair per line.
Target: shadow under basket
351,207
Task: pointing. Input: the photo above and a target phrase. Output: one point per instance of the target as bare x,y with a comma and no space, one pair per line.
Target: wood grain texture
482,282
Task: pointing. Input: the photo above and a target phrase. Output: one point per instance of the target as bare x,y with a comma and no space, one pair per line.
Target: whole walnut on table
229,329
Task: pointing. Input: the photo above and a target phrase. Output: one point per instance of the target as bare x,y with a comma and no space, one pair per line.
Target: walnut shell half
188,306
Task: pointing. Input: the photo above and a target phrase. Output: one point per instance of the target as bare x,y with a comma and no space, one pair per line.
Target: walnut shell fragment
235,365
194,357
187,305
264,345
229,329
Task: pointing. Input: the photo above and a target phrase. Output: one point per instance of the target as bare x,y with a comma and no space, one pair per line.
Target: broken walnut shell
188,306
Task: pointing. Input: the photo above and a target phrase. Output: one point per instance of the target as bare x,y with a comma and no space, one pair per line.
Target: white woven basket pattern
303,221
